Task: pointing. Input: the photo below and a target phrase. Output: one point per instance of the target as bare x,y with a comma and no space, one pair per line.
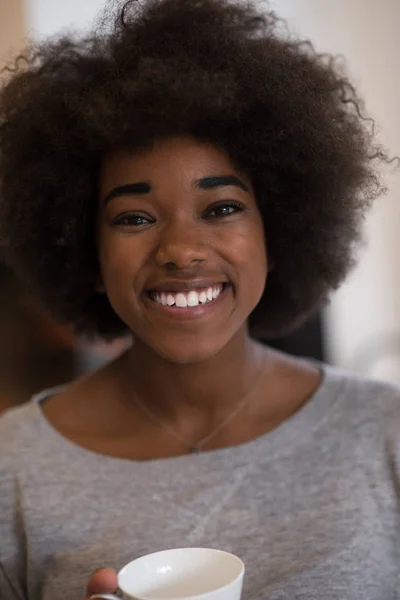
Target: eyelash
126,219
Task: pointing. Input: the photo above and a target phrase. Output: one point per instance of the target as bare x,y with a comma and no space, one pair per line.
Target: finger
103,581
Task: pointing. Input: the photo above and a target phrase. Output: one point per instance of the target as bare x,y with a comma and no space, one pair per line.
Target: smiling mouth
188,299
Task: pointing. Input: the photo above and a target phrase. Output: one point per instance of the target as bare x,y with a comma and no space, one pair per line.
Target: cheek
249,255
118,258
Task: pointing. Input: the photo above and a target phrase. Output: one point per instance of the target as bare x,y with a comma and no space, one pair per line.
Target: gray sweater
312,507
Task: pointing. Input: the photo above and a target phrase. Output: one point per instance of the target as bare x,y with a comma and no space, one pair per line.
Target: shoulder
367,404
24,436
17,425
30,438
384,395
19,434
19,441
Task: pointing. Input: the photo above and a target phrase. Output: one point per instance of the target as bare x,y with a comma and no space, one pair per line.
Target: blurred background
360,329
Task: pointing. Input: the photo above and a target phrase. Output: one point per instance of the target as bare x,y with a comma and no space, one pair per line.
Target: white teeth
181,301
190,299
193,299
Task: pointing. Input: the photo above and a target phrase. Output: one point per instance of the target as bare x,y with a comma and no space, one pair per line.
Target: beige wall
12,29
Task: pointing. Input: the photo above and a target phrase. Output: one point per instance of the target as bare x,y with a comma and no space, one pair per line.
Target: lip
187,314
183,286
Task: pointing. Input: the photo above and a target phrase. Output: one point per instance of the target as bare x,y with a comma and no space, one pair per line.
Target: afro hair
222,71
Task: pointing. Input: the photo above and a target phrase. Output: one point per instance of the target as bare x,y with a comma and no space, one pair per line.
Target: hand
103,581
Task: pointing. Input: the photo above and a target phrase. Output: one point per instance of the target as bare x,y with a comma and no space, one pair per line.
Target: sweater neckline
281,440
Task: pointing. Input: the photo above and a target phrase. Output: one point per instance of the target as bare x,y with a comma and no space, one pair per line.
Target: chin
189,353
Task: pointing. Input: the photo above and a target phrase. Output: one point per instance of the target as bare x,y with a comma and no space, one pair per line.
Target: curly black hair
221,71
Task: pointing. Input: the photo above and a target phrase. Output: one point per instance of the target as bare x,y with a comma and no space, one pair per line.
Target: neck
212,387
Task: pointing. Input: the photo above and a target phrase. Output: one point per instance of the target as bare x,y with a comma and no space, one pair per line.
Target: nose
182,245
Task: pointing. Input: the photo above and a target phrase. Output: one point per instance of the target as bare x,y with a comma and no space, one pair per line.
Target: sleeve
12,549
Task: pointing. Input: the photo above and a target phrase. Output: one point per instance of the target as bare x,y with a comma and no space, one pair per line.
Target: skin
182,239
103,581
190,372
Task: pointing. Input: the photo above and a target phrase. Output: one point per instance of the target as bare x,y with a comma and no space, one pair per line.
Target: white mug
181,574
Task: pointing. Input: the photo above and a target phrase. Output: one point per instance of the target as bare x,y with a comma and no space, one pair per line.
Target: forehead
181,159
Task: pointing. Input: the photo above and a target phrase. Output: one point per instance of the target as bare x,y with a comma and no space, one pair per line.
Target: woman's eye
224,210
132,220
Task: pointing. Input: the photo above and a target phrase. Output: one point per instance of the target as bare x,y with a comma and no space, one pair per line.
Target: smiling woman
198,181
166,226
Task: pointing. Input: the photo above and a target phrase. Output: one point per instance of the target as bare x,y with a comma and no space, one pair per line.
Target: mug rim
239,576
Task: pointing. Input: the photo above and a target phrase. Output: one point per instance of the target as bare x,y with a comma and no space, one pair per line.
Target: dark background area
306,341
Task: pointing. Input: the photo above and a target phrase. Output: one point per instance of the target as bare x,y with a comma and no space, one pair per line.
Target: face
181,247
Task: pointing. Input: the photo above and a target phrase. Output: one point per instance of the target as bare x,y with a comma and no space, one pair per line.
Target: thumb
103,581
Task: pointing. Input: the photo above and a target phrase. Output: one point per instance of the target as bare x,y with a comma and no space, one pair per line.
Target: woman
196,179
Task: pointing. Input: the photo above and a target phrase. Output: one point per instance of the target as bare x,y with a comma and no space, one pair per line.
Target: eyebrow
206,183
128,190
209,183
